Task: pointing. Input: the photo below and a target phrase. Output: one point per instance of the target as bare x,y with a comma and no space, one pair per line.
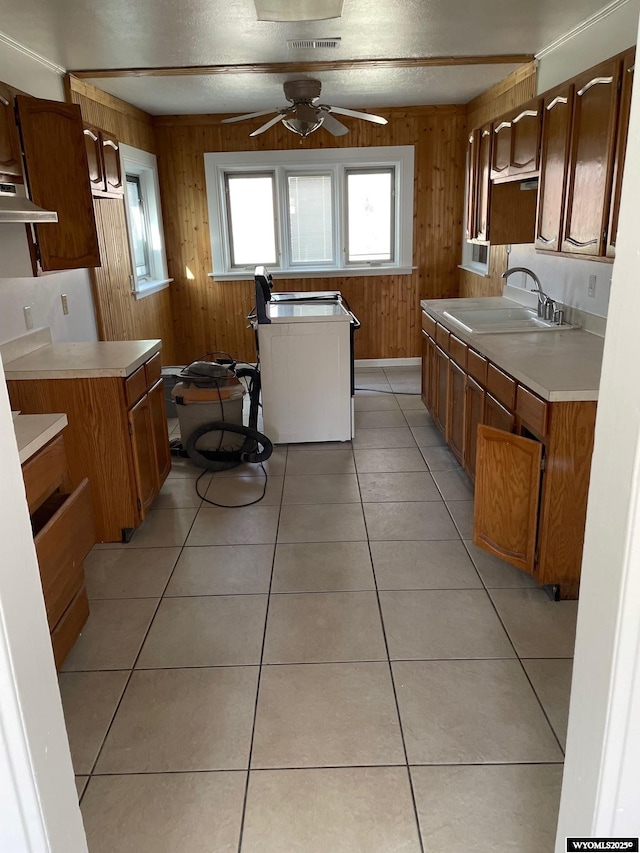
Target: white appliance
306,370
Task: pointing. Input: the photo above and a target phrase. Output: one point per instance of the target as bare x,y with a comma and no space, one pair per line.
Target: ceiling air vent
312,44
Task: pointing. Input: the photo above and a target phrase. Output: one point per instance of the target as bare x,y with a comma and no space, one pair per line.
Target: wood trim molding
303,67
503,86
81,87
390,113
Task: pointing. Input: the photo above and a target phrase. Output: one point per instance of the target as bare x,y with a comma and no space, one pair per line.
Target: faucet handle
549,308
558,316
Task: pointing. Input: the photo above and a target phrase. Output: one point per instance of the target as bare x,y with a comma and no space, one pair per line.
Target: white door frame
39,809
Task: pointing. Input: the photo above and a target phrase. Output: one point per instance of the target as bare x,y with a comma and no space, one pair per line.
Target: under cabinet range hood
16,207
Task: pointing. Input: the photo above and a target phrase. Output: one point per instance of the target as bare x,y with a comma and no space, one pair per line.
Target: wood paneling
210,315
120,316
515,90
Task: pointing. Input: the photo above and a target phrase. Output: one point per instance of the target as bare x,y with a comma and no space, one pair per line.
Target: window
144,222
324,212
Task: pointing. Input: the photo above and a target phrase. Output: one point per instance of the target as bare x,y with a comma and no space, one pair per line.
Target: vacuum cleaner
209,400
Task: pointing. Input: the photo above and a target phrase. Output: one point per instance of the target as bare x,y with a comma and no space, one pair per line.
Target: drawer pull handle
524,114
595,82
559,100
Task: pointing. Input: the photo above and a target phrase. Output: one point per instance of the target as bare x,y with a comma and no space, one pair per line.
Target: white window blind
310,218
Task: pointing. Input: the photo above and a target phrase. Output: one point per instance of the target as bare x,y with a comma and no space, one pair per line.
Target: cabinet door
507,496
495,415
57,168
471,229
144,457
160,434
473,417
10,158
525,140
484,184
628,68
456,410
501,154
441,383
593,133
114,184
94,158
556,136
424,383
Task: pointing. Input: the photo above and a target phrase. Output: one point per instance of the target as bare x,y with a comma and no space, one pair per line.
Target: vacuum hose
249,452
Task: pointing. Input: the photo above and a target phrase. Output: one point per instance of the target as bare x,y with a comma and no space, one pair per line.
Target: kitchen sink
496,320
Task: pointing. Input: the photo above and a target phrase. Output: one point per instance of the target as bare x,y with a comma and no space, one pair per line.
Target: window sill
150,287
474,271
247,275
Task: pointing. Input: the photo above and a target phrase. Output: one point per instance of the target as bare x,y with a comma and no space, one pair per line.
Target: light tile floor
337,668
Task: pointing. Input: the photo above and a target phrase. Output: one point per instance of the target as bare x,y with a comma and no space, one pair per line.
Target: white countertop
558,366
309,312
34,431
82,360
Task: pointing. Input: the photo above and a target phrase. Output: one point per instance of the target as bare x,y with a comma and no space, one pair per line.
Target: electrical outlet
28,319
592,286
65,304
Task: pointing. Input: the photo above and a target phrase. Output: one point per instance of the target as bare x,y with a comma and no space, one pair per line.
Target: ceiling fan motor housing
303,91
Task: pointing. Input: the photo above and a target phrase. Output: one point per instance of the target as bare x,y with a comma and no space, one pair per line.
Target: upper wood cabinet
103,156
516,143
471,228
10,158
628,67
483,192
591,157
56,171
556,136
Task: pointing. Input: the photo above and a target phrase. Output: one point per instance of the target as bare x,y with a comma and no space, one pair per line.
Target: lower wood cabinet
63,530
117,438
530,460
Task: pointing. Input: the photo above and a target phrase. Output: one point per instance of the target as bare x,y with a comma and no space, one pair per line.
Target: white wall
18,287
607,35
565,280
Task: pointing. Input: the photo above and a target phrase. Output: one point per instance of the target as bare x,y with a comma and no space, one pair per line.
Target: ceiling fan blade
355,114
333,125
268,124
247,116
305,112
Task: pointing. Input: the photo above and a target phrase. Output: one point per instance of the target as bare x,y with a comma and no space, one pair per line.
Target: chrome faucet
547,308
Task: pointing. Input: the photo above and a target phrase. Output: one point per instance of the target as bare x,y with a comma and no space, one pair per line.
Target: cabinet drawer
72,622
458,351
502,387
135,386
442,337
532,411
477,366
44,473
428,325
153,370
63,528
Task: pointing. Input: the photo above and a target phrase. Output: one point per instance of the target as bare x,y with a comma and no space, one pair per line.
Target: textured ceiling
101,34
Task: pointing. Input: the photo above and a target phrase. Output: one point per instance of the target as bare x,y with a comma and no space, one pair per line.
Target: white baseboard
388,362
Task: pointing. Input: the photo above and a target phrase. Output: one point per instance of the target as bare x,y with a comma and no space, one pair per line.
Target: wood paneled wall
119,315
210,315
518,88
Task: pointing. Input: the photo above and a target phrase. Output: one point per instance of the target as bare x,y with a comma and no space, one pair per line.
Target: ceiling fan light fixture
301,127
288,11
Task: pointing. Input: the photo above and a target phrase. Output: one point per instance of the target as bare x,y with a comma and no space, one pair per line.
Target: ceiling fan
305,114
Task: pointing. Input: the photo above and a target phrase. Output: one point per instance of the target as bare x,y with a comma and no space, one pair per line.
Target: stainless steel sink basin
496,320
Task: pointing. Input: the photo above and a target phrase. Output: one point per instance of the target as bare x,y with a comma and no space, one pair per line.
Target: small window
144,221
370,216
251,213
139,228
310,218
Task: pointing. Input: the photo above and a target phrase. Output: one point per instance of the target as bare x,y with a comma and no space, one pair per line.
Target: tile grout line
132,669
260,665
518,658
393,683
